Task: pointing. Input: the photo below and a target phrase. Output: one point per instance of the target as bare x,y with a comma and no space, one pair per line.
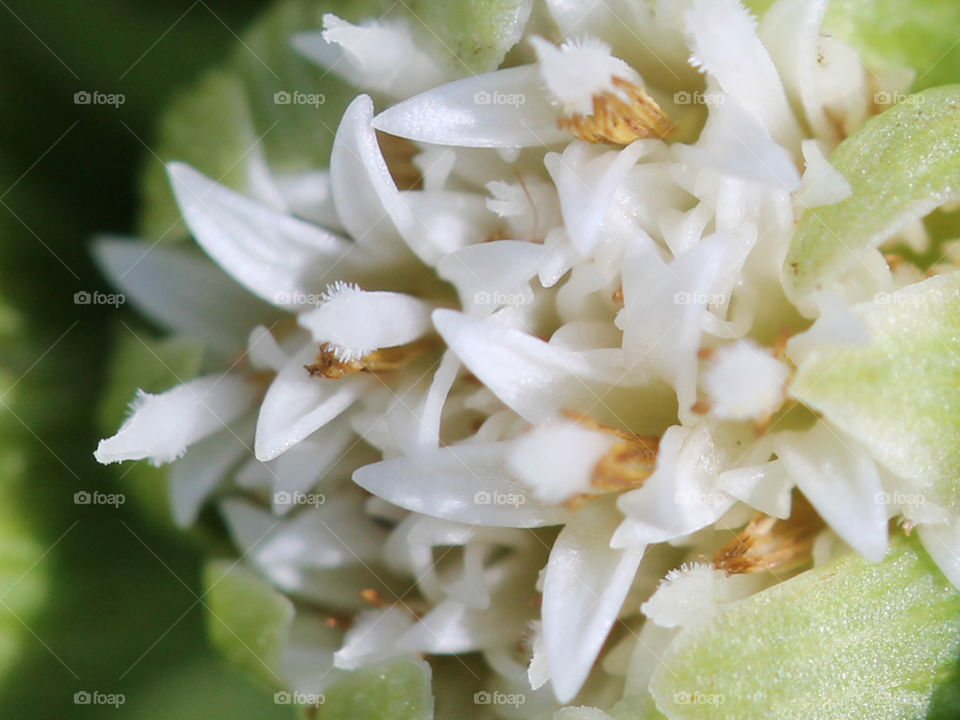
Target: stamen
626,465
617,120
768,543
329,364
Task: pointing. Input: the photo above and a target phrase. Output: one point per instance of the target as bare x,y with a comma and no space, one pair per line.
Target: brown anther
398,153
373,597
619,120
328,365
780,345
705,353
618,295
894,261
767,543
625,466
700,407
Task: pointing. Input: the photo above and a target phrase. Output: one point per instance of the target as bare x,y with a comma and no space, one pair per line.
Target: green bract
901,165
249,622
475,34
899,394
851,639
897,33
399,690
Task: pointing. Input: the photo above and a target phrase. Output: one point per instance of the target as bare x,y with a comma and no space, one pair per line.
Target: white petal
297,404
488,275
942,542
183,292
194,476
584,587
263,351
587,182
734,143
331,535
446,221
842,483
743,381
556,459
531,376
578,70
679,497
502,109
765,487
161,427
380,55
373,637
664,307
368,202
452,627
692,594
358,322
466,483
277,257
791,31
307,195
724,39
822,183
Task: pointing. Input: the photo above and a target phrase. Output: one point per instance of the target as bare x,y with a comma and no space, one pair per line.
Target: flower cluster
541,396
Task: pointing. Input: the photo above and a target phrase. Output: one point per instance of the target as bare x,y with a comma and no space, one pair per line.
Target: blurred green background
92,598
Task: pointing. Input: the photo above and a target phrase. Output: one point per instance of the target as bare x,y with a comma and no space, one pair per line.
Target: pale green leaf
474,35
851,639
901,165
397,689
900,394
248,621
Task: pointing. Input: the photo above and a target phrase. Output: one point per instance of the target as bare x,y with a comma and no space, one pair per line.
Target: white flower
491,414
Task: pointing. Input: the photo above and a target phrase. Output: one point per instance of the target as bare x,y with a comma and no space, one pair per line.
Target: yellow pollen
619,121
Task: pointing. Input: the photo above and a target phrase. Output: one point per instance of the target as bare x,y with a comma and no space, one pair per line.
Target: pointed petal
531,376
502,109
297,404
466,483
161,427
359,322
183,292
277,257
368,202
840,480
585,585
